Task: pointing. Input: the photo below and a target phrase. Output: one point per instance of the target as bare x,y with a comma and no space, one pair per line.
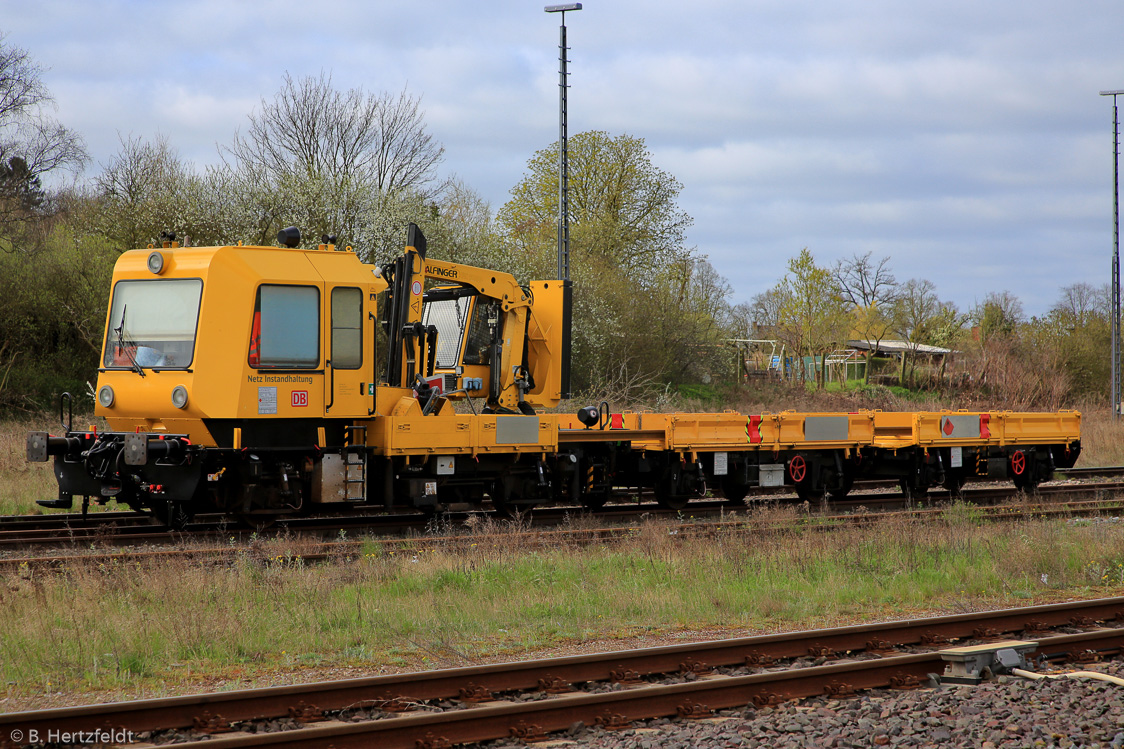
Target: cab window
448,316
152,323
286,327
347,328
479,336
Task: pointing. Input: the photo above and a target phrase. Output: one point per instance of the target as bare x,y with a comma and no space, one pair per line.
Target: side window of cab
286,328
347,328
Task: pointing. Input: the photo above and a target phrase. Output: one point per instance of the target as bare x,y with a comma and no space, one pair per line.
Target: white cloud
965,139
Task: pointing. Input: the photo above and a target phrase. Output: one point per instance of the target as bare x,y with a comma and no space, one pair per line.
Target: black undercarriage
166,475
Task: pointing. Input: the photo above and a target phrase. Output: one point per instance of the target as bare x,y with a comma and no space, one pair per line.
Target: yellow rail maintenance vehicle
264,381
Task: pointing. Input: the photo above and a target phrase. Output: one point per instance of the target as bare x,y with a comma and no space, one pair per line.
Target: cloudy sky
964,139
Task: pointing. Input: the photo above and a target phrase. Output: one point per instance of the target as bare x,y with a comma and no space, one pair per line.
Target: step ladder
355,463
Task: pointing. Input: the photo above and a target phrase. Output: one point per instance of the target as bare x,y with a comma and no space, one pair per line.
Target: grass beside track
146,630
21,483
1102,439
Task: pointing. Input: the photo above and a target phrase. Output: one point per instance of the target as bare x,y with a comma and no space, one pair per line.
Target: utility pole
1115,252
563,195
563,128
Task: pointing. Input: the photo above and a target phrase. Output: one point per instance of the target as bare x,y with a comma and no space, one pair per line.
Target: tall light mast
1115,253
563,195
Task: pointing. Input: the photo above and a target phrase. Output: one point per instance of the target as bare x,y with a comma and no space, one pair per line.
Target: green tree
20,188
53,317
811,313
623,209
635,280
999,315
1079,328
996,339
677,327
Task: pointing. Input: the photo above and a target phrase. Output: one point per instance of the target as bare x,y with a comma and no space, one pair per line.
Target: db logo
300,398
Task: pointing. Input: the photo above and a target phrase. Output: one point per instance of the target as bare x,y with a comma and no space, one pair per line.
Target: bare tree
329,159
863,282
872,290
467,232
764,311
146,189
312,130
915,311
1083,301
32,143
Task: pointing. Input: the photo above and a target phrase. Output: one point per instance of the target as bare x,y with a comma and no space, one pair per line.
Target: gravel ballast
1007,712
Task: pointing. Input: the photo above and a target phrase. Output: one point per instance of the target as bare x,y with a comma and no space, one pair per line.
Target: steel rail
108,516
333,550
104,532
695,699
483,682
66,518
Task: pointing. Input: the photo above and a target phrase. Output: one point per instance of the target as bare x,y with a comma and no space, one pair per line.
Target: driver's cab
203,340
467,326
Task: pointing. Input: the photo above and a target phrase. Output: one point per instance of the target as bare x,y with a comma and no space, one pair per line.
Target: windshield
152,323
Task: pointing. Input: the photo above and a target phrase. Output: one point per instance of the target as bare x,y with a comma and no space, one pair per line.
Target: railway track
139,529
1104,471
132,528
347,550
532,699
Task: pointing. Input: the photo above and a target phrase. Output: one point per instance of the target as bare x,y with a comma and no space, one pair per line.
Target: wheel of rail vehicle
175,515
258,521
734,491
954,480
669,493
844,488
595,492
669,501
808,494
594,501
509,498
501,498
912,490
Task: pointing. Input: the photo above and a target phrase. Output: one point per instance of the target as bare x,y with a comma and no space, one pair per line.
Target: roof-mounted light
290,237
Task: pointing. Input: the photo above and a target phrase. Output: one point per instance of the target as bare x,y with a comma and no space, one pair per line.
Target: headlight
179,396
156,263
105,396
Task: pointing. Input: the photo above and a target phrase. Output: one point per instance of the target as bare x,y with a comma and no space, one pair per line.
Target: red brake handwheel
797,469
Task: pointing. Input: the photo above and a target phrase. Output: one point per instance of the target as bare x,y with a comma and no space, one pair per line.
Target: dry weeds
497,594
